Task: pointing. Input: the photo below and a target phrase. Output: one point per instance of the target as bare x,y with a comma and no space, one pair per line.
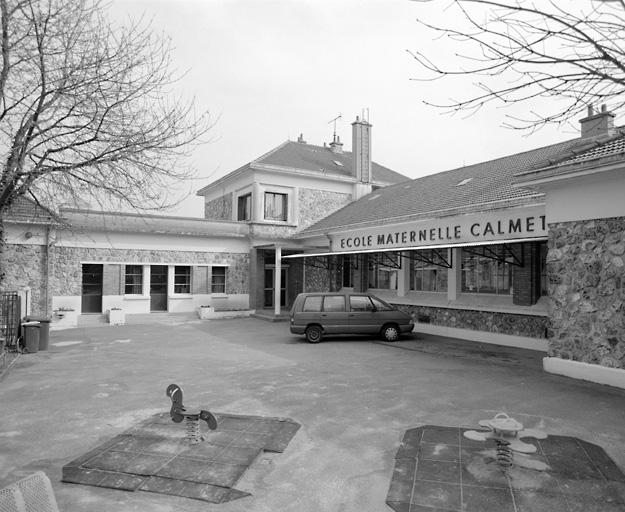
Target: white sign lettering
518,223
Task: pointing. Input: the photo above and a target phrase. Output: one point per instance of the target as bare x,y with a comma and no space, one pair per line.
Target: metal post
277,280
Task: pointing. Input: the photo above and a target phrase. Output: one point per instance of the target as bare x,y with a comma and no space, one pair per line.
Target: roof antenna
334,121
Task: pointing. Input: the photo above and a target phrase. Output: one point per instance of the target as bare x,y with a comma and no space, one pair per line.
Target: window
134,280
487,270
244,207
348,272
312,304
218,280
360,303
334,303
426,273
182,279
276,206
383,271
543,249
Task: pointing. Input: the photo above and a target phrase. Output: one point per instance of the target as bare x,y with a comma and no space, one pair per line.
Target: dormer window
276,206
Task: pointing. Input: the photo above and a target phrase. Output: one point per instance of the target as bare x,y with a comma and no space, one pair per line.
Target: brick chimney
596,124
336,146
300,139
361,150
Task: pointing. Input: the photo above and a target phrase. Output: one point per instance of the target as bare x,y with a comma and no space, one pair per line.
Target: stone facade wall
316,279
219,209
317,204
504,323
66,278
25,266
271,231
586,280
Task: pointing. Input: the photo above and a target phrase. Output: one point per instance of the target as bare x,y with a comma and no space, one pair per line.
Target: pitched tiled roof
474,187
298,155
603,151
25,209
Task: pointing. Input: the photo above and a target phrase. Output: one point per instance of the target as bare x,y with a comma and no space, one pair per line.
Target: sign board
528,222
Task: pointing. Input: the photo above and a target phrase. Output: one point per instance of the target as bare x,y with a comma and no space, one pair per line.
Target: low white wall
494,338
139,304
585,371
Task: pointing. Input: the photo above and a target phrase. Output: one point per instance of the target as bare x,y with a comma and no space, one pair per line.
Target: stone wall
315,204
488,321
586,280
24,265
219,209
316,279
66,278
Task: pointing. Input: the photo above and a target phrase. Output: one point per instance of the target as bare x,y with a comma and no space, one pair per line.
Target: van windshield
380,305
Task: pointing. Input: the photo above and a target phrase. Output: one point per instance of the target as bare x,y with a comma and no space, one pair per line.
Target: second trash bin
30,331
44,330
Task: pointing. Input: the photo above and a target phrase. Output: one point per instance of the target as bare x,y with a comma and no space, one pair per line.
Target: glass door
269,274
91,301
158,288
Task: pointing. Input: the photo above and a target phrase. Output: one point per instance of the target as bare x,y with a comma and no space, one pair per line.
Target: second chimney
361,150
599,123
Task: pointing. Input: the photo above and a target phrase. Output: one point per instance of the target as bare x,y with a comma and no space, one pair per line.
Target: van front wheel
390,332
314,334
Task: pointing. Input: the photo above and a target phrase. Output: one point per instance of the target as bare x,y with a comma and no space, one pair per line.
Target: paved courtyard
354,398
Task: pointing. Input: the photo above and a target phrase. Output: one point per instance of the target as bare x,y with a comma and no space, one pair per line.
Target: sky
268,70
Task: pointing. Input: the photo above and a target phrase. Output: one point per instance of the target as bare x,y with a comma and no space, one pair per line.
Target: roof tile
430,195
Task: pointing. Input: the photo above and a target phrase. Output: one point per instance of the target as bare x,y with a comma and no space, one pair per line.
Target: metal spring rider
507,433
179,412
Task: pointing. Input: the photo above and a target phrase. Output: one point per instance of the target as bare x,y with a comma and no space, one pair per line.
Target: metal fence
9,320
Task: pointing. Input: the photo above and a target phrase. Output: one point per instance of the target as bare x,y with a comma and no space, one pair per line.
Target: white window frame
225,284
248,190
291,198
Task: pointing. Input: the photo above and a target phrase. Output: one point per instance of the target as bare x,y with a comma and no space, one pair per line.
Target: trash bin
30,331
44,330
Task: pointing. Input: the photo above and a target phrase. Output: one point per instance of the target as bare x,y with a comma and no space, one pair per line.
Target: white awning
419,247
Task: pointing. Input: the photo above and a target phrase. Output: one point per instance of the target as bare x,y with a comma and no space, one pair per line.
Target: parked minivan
317,314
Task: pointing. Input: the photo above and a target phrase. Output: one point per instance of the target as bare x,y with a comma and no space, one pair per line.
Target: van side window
334,303
360,303
312,304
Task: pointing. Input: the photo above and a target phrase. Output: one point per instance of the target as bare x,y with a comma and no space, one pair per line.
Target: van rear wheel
313,334
390,332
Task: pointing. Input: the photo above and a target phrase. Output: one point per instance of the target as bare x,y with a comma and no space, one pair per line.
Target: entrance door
269,274
158,288
91,288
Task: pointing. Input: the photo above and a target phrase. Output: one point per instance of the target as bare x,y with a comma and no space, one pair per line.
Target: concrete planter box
116,317
64,319
209,313
205,312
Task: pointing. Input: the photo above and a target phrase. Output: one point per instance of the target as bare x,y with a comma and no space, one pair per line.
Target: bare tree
87,110
572,52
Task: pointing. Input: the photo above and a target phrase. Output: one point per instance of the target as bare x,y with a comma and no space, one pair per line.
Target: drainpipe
46,274
50,240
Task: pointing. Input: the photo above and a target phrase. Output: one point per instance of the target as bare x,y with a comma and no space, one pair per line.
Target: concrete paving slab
354,397
152,452
476,482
